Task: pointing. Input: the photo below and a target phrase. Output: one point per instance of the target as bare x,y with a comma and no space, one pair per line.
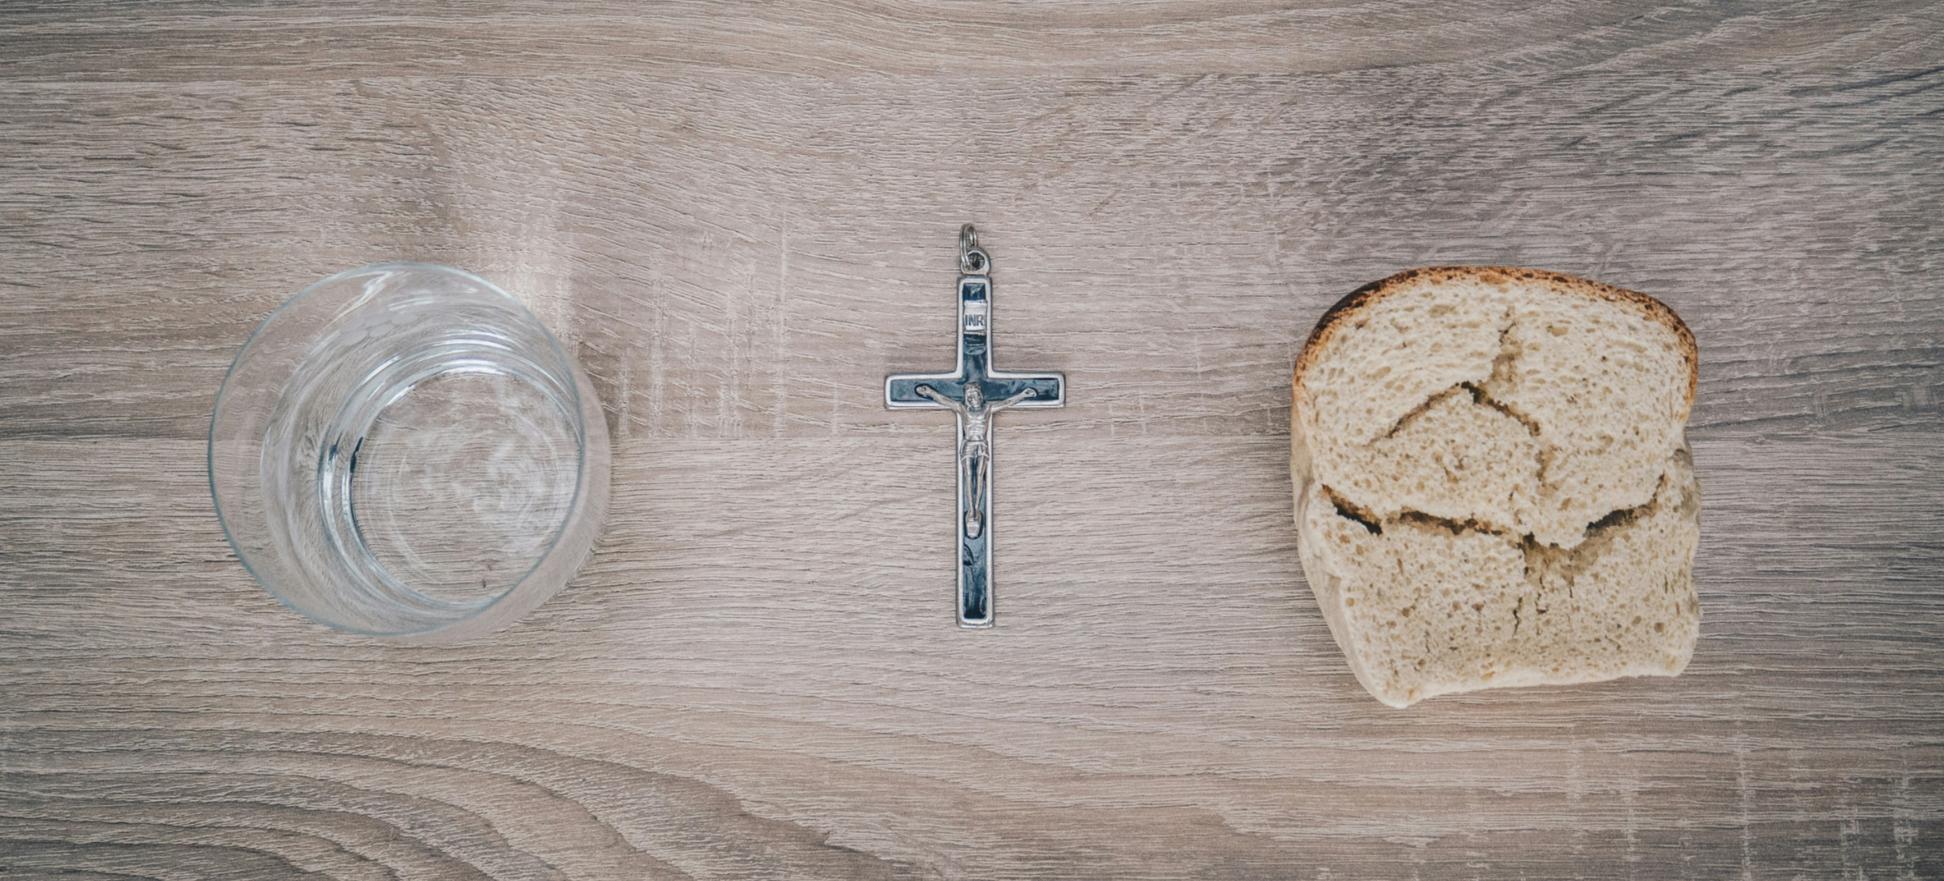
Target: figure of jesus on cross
974,392
975,442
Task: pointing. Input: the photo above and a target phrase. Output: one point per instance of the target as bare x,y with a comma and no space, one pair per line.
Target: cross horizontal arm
901,390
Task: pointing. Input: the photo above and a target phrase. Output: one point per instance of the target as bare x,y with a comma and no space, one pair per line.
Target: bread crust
1356,302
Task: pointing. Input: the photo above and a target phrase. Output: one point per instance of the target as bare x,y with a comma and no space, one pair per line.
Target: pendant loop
972,259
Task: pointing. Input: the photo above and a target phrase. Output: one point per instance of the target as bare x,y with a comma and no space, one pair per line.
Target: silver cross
975,392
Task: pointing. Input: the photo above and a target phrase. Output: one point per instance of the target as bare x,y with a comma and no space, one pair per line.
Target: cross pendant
975,391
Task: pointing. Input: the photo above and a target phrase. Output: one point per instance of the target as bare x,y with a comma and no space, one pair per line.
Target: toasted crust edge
1358,300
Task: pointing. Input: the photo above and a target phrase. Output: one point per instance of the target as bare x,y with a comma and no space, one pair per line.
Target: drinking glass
404,451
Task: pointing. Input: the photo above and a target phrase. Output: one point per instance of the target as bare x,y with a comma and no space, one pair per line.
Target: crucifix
975,391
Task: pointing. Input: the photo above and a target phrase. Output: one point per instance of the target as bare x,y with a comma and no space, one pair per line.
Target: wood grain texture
742,218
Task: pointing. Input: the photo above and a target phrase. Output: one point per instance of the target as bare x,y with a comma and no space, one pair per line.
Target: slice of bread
1493,485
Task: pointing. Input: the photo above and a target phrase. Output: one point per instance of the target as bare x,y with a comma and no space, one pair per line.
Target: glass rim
560,528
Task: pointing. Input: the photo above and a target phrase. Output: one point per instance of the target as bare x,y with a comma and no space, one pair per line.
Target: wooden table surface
742,218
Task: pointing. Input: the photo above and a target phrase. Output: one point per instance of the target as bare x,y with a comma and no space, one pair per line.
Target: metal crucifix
975,391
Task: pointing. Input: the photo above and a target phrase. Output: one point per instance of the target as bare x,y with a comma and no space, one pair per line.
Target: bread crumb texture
1494,489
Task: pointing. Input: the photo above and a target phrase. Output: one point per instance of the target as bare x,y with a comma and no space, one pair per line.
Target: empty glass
404,451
